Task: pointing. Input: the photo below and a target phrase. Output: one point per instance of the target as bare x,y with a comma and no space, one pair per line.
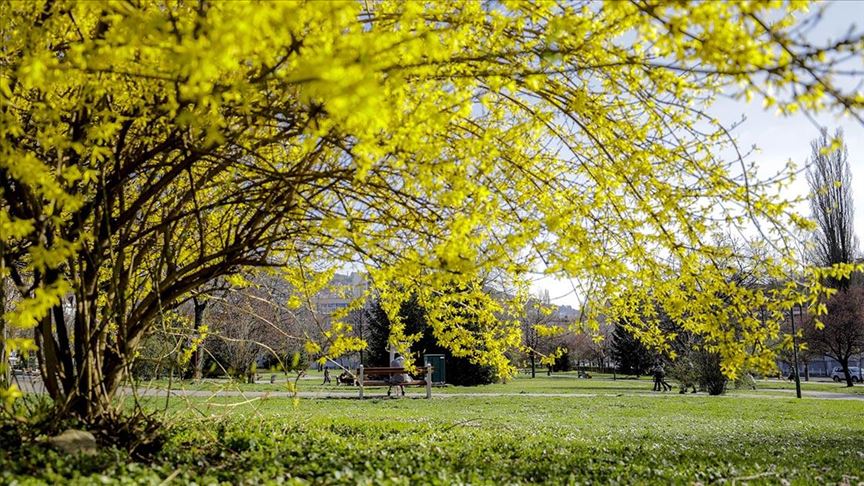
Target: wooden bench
385,376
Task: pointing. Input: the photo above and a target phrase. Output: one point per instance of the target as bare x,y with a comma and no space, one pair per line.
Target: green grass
812,386
631,439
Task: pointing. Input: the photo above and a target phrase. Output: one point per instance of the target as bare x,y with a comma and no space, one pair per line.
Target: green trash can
438,369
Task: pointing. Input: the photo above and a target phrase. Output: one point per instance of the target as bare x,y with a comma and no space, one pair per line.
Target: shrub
711,377
462,372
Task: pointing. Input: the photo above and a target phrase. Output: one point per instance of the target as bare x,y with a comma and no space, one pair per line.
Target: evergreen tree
630,355
563,362
377,331
460,371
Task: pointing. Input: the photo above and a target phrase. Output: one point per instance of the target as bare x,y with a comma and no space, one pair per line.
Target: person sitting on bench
345,379
397,380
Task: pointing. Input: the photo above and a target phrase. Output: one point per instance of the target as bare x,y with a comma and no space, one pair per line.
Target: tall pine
630,355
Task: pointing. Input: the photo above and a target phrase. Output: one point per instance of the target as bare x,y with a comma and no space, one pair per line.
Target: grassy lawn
811,386
607,439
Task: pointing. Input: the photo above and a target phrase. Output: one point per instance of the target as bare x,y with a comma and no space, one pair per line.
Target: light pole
795,351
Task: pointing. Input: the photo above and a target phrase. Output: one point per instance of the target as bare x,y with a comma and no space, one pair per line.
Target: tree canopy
831,205
840,334
147,148
630,355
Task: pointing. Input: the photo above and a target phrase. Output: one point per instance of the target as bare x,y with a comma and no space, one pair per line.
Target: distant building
341,291
565,312
339,294
816,366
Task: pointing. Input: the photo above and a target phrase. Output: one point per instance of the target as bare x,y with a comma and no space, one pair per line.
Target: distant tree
199,300
803,348
843,334
693,365
563,362
159,353
236,341
594,347
537,313
378,329
628,352
7,301
831,204
832,207
251,326
377,334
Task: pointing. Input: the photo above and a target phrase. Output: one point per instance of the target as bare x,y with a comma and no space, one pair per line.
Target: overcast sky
780,139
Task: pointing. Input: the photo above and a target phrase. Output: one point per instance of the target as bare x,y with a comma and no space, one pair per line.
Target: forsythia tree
147,148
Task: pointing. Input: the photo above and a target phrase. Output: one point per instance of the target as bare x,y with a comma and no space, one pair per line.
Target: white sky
779,139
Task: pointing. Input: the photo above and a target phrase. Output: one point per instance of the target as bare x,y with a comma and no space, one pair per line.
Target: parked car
837,374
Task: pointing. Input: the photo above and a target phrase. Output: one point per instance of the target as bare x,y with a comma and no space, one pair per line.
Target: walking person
655,372
326,376
661,378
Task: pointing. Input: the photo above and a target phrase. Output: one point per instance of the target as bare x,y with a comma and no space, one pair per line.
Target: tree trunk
5,362
845,364
198,356
533,370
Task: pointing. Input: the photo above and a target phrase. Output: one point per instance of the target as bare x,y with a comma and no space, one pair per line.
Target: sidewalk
32,384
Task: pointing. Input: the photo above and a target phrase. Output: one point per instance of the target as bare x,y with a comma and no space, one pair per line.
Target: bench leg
428,381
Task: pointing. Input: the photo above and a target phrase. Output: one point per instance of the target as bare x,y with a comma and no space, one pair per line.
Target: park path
822,394
445,395
35,386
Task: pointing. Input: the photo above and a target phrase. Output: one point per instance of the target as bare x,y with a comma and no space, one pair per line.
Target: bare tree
537,313
831,203
832,208
595,347
254,324
199,305
843,334
9,298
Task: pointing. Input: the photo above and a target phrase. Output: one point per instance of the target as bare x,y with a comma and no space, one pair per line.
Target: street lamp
795,349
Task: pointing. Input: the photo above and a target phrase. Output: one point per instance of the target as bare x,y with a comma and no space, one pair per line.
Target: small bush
462,372
745,381
711,377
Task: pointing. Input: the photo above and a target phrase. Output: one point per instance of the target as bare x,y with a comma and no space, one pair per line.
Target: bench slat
385,369
375,383
372,377
387,383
